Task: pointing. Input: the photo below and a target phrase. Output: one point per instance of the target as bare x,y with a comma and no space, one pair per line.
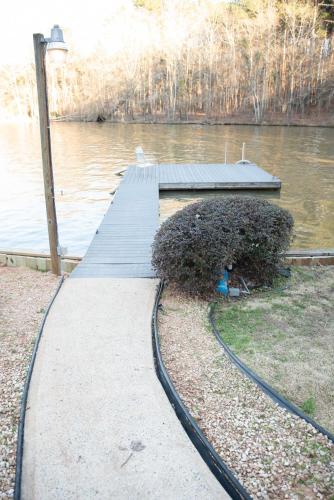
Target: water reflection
87,155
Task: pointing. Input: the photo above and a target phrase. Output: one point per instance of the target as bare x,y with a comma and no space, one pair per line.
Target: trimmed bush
193,246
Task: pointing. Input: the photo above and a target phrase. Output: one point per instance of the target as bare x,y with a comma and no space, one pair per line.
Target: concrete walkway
98,423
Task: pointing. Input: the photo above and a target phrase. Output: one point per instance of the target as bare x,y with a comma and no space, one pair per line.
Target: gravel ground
24,295
273,453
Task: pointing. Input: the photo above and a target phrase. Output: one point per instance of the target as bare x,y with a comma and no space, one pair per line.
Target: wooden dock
122,246
215,176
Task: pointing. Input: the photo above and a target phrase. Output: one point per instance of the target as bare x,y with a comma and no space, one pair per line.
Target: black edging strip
220,470
270,391
24,399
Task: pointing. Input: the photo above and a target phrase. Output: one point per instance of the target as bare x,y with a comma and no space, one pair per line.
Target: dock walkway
122,244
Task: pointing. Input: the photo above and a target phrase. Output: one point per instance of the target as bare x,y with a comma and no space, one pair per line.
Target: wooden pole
44,122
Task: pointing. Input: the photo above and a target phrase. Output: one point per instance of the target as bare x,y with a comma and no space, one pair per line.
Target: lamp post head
56,41
56,46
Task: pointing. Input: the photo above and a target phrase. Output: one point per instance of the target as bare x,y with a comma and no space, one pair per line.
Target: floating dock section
199,176
122,246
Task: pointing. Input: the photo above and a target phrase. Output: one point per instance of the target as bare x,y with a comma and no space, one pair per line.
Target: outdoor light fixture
57,47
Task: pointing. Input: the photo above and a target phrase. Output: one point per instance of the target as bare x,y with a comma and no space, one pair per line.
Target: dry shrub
193,246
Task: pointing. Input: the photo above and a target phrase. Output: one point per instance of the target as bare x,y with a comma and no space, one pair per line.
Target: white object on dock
140,154
141,158
243,161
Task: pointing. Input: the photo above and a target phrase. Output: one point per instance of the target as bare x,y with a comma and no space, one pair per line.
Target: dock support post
40,50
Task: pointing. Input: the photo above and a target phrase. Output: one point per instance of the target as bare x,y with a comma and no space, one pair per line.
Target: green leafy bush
192,247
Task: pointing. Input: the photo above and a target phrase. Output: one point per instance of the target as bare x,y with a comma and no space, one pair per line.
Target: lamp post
55,44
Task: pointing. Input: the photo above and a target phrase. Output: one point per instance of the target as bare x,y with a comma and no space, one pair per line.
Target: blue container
222,286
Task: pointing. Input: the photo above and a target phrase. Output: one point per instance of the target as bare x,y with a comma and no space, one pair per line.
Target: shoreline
200,121
42,261
209,123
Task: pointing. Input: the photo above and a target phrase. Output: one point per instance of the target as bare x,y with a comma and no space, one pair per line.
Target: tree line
192,59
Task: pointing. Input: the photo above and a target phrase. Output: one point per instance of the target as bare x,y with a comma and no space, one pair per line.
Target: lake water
87,155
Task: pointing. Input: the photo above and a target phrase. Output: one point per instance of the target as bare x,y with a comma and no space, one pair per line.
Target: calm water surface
87,155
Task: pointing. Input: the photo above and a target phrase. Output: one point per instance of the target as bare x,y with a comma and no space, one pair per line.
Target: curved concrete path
98,423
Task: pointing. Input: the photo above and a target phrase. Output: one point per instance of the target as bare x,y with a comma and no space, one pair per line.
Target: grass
232,327
286,335
309,406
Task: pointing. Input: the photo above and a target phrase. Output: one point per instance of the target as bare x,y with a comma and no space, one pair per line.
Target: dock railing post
40,45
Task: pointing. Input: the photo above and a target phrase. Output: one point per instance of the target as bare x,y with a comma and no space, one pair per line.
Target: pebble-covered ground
24,295
274,454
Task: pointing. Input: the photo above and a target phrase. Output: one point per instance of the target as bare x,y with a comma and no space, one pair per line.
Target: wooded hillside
187,60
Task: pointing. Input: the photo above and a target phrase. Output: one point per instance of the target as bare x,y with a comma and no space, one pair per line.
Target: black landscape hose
223,474
270,391
24,399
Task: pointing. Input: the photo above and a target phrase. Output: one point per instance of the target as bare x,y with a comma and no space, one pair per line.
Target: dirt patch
24,295
287,337
273,453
